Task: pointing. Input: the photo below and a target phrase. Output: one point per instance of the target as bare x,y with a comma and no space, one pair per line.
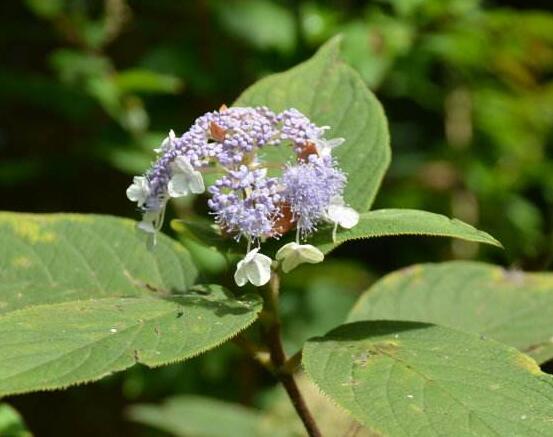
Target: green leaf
46,8
201,416
332,93
407,378
139,80
389,222
205,232
50,258
512,307
11,423
81,297
56,345
262,23
198,416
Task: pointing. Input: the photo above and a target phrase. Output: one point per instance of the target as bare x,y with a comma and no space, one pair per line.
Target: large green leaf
206,417
47,258
198,416
513,307
82,297
56,345
389,222
331,93
415,379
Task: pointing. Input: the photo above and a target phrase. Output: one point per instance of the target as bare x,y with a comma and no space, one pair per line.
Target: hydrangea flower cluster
244,200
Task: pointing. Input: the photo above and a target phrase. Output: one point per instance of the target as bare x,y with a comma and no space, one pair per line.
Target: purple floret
308,189
245,202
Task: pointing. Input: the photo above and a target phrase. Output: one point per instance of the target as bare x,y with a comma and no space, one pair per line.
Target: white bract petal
340,214
254,268
166,142
293,254
345,216
151,223
139,190
324,146
185,179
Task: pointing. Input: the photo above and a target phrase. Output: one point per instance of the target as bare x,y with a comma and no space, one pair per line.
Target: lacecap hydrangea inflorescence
245,201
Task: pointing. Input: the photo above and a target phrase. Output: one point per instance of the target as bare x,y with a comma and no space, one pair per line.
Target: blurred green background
89,88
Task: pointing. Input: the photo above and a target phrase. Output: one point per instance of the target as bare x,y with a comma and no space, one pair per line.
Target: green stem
273,339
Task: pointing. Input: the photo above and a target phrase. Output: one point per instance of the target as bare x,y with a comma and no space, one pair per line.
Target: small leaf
262,23
11,423
198,416
390,222
205,232
512,307
56,345
407,378
331,93
51,258
146,81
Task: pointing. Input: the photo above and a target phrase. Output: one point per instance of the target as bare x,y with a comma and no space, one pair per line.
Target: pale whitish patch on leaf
513,307
403,378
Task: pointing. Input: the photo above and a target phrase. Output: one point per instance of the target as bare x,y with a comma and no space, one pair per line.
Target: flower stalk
273,339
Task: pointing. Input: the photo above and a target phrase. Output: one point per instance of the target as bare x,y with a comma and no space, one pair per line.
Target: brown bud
285,222
223,108
217,132
308,149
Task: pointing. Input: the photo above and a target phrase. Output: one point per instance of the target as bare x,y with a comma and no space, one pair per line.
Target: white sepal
151,223
340,214
139,190
185,179
166,143
293,254
254,268
324,146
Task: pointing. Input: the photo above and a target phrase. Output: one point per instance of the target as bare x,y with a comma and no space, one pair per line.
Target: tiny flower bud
285,220
293,254
217,132
305,151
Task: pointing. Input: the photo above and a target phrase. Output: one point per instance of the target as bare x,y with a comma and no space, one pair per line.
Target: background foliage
89,87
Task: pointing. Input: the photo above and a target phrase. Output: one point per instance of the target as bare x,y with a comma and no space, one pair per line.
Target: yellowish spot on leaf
30,229
528,363
22,262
